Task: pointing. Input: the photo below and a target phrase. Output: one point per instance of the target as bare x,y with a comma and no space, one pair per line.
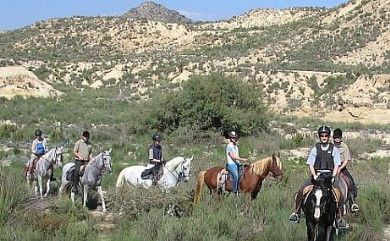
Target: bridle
180,174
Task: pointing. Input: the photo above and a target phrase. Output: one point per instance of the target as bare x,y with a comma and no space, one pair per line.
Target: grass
141,214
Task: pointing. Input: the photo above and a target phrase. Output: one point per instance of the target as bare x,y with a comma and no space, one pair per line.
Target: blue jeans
233,171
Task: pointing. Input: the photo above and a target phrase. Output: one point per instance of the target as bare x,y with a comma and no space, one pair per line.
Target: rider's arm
76,151
347,157
311,159
34,146
236,158
151,155
44,142
336,161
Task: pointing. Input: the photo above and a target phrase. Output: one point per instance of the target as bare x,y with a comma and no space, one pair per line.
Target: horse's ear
190,159
278,155
109,151
273,156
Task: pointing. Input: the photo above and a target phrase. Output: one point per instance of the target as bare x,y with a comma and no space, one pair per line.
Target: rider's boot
295,216
341,223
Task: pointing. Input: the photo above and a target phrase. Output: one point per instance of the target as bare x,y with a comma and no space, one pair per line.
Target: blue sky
19,13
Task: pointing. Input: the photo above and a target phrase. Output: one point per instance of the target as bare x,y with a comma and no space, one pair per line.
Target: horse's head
276,168
106,156
58,155
320,199
185,168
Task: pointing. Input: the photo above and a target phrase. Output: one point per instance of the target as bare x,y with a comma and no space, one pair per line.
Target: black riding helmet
156,137
337,133
38,132
85,134
324,129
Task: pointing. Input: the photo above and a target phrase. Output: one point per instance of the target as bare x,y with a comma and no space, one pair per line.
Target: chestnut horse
251,181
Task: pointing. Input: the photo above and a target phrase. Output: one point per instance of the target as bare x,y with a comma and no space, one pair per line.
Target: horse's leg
35,184
40,186
100,191
61,189
310,230
85,195
329,233
47,187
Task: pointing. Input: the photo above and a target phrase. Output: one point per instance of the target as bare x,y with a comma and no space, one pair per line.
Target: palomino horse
320,208
92,176
251,181
175,170
43,171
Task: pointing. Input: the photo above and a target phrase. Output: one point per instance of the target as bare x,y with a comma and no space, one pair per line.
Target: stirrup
294,218
354,208
341,224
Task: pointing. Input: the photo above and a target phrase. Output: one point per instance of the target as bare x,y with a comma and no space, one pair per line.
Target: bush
214,102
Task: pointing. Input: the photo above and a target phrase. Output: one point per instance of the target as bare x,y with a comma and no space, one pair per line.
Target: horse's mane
259,167
172,164
96,157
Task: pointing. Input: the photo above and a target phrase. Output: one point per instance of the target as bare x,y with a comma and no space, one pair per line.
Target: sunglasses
324,135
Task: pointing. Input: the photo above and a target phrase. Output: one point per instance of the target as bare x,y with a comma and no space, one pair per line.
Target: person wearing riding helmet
345,158
155,157
233,160
83,154
322,157
38,149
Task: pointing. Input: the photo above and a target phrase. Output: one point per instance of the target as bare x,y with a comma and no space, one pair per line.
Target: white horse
92,176
175,170
43,171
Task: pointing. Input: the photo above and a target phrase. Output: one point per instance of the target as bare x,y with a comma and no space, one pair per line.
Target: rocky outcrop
156,12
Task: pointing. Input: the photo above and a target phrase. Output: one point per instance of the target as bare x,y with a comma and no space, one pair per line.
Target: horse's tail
120,180
199,187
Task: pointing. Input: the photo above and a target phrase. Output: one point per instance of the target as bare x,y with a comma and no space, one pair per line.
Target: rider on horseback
233,160
345,158
155,157
83,153
38,149
322,157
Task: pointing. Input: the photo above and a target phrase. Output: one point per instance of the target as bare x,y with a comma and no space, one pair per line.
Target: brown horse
251,181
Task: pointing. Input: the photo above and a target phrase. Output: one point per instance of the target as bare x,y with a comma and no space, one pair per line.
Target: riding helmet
85,134
337,133
156,137
324,129
232,134
38,132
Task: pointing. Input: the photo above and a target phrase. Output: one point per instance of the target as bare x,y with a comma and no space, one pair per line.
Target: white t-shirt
231,148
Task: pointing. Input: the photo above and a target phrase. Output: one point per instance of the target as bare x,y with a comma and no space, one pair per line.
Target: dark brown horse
251,181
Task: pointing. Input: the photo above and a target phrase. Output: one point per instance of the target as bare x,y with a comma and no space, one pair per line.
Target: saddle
69,173
223,177
335,191
34,164
155,173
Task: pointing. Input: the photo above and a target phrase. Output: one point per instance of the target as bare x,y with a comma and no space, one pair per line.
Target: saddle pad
222,177
69,173
307,190
337,194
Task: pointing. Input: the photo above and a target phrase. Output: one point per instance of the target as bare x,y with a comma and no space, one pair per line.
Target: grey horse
43,171
92,177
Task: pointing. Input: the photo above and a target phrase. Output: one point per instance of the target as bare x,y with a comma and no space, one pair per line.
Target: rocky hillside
156,12
300,59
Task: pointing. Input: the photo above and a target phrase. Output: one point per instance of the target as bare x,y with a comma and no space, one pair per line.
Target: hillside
300,59
156,12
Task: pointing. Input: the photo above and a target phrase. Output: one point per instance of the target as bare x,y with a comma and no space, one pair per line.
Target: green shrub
214,102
